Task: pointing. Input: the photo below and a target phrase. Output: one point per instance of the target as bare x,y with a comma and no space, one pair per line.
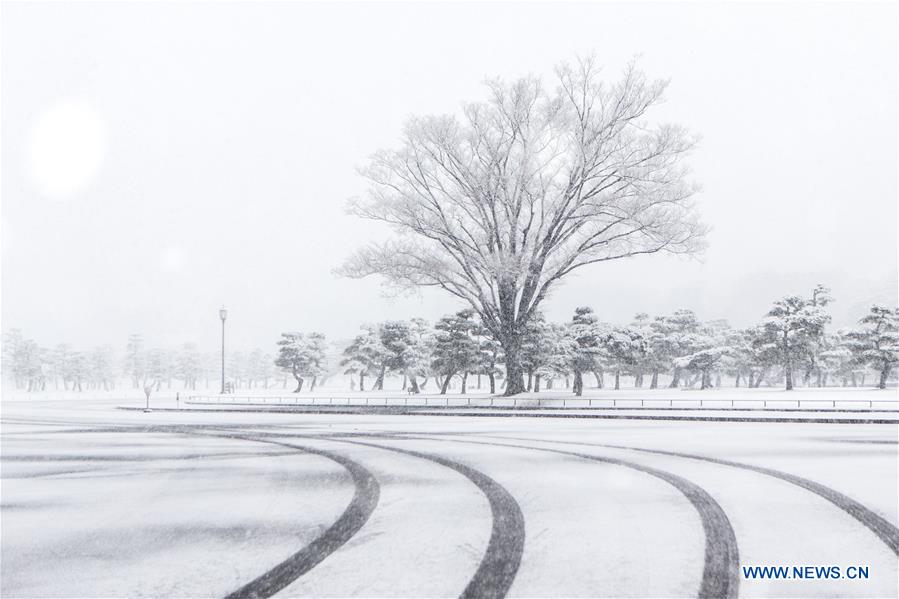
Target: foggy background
161,159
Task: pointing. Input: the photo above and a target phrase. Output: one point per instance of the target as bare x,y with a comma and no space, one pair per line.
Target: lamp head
223,314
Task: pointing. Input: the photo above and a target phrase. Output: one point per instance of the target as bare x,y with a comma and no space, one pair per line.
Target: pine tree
489,355
190,365
101,368
302,356
791,328
876,343
670,338
623,347
711,345
585,348
456,348
135,360
366,356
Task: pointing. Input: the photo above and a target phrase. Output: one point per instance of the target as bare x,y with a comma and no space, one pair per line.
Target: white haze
202,154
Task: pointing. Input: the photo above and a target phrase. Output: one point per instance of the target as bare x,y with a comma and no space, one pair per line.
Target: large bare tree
498,206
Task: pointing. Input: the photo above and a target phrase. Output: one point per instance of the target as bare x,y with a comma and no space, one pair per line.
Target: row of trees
457,346
790,345
791,341
32,367
35,368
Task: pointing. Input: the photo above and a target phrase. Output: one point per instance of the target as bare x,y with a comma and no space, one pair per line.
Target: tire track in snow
880,526
356,514
720,576
501,559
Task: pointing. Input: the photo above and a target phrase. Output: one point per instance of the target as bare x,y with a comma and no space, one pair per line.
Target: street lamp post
223,314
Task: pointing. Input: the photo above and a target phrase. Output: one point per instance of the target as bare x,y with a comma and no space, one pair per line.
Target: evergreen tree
456,348
536,349
302,356
670,338
190,365
135,360
24,361
102,373
585,347
791,328
711,345
489,355
366,356
623,347
876,343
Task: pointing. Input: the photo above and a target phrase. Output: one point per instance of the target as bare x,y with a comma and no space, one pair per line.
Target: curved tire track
876,523
880,526
365,499
720,575
356,514
501,560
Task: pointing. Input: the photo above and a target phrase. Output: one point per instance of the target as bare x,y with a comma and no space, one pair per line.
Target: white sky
161,159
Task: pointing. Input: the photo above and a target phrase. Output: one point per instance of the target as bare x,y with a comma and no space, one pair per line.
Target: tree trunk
759,377
675,379
530,384
413,385
514,381
654,381
379,383
312,385
617,380
578,386
537,383
598,376
362,381
638,380
884,374
479,381
492,379
446,382
464,382
705,380
299,383
737,381
788,362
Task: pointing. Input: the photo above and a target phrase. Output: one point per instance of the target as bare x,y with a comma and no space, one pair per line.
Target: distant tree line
35,368
791,345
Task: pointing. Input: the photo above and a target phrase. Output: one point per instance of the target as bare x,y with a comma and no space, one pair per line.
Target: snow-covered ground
102,502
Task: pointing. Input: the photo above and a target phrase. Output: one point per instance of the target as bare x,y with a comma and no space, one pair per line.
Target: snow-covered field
102,502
